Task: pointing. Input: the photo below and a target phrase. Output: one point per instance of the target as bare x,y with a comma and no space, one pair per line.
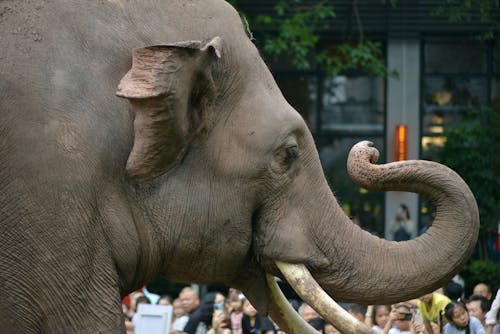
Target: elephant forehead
254,130
266,115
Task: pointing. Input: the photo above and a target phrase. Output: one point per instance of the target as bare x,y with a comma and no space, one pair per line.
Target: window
353,106
456,78
455,57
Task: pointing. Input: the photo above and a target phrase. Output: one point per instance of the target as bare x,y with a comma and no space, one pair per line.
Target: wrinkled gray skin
233,183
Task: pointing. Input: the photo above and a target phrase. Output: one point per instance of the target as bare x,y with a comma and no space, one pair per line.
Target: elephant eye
291,155
285,158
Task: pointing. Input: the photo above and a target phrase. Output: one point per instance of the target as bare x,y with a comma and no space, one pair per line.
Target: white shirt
180,323
395,330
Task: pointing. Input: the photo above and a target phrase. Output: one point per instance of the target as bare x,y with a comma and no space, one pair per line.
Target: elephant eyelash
292,153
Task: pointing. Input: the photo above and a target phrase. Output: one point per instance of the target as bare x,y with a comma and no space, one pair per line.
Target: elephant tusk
301,280
285,312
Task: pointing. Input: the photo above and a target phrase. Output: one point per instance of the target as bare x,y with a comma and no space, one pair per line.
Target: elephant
145,138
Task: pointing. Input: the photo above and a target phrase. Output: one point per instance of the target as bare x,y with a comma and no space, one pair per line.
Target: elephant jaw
309,290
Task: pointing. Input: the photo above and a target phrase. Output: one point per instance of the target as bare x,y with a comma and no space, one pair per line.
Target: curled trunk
355,266
367,269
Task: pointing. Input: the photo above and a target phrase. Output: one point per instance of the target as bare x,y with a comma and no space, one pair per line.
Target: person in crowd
435,328
139,300
401,226
219,322
200,320
254,323
125,309
494,328
478,306
453,290
183,307
482,289
129,326
235,311
307,312
399,320
317,323
220,298
493,316
357,311
132,297
377,316
179,318
189,300
459,280
164,300
431,307
459,320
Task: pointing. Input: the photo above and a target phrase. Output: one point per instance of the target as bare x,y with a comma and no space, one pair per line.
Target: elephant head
232,184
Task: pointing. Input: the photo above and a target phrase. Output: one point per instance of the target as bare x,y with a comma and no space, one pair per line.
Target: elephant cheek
286,241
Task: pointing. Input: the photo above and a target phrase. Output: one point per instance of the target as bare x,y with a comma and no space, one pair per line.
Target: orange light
401,142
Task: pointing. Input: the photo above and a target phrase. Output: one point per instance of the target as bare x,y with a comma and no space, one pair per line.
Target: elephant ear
168,87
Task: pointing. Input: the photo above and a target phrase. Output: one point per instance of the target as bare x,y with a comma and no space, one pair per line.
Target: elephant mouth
301,280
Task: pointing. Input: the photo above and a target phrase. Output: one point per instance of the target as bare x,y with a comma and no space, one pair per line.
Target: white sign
153,319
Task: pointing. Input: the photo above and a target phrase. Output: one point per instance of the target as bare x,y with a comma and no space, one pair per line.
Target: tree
484,11
472,149
298,24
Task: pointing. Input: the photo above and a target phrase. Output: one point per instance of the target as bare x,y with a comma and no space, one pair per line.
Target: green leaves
366,56
483,11
472,149
297,26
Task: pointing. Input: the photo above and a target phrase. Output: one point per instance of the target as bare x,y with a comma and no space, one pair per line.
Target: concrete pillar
403,107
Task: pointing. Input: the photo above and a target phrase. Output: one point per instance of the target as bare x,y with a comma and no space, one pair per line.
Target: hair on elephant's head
238,192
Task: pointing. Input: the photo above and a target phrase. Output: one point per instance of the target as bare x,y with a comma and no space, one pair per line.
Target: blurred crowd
444,311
